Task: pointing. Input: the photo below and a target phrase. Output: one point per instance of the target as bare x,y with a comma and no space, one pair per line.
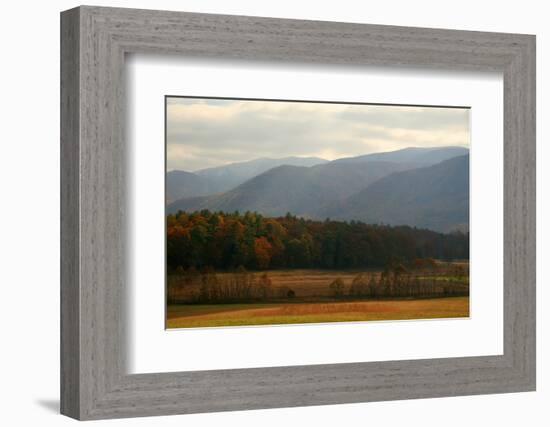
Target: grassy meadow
308,296
201,316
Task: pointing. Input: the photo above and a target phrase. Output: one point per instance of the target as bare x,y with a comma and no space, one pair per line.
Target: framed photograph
262,213
262,230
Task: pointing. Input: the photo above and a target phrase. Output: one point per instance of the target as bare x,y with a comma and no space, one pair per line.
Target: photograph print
295,212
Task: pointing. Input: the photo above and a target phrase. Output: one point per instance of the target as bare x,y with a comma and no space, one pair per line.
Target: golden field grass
195,316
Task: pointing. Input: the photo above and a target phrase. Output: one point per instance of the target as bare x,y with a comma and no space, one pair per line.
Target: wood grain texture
70,221
94,271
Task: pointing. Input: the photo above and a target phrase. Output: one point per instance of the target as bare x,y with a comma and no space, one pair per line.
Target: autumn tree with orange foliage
262,250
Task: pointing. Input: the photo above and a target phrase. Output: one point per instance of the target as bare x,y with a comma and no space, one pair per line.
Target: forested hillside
227,241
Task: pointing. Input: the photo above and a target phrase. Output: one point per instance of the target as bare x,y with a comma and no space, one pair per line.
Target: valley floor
202,315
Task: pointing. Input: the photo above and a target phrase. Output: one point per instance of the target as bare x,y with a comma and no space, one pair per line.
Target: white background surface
29,218
153,349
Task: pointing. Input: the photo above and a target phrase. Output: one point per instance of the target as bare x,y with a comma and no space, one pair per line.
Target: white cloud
207,132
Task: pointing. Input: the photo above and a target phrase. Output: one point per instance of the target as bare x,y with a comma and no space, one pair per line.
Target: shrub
337,287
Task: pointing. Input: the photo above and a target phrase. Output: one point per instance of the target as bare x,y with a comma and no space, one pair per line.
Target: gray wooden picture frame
94,41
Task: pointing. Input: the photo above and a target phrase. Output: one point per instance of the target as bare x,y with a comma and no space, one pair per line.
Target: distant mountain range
181,184
434,197
420,156
422,187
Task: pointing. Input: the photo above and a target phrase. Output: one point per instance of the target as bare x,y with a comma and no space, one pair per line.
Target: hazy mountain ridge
236,173
180,184
218,179
300,190
375,188
419,155
435,197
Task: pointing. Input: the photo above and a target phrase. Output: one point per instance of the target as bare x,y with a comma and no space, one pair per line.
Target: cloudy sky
203,133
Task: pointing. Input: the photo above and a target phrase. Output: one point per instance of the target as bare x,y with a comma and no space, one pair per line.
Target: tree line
399,281
242,286
226,241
